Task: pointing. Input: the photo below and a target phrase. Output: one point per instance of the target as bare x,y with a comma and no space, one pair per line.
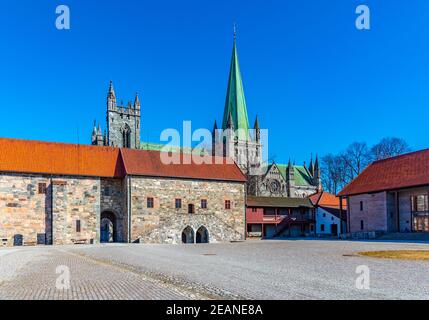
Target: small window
178,203
150,202
361,206
203,204
227,204
322,228
324,215
42,188
254,209
361,225
77,225
106,191
191,208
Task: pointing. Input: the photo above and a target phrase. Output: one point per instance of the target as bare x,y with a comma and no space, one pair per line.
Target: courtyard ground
300,269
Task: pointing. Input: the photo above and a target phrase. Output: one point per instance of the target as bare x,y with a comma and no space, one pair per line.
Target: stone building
390,196
236,139
123,124
54,193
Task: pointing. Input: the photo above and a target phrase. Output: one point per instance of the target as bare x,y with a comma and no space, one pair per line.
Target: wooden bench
29,243
79,241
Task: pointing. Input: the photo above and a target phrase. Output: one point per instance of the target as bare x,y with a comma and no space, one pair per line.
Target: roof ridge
401,156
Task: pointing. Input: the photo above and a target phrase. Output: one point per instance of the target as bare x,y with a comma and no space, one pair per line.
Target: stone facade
372,217
38,209
164,223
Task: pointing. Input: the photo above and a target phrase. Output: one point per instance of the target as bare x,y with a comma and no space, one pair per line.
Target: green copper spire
235,104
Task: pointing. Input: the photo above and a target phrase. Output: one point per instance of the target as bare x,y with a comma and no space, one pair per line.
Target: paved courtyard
301,269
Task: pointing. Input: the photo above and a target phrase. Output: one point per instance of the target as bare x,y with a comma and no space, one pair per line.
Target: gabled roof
38,157
403,171
26,156
326,199
149,163
279,202
301,174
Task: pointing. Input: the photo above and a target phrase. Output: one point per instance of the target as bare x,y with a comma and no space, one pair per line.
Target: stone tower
123,124
237,141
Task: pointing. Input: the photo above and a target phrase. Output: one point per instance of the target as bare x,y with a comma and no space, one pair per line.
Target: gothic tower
238,142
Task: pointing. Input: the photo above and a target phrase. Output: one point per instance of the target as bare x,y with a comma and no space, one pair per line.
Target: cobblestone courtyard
302,269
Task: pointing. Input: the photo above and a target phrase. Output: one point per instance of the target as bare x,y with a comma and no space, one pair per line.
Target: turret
317,177
290,177
257,130
137,102
111,97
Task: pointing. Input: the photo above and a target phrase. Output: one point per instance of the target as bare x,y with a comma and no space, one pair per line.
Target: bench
79,241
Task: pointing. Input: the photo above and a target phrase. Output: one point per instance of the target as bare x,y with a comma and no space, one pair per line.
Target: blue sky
316,82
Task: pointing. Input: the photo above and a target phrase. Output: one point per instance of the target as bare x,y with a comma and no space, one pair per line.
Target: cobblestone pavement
31,273
303,269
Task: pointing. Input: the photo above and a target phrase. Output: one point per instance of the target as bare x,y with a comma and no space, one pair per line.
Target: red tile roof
403,171
149,163
25,156
326,199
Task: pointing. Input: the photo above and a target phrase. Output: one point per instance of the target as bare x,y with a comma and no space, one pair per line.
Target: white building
328,214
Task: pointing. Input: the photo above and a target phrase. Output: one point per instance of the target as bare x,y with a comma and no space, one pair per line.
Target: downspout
51,236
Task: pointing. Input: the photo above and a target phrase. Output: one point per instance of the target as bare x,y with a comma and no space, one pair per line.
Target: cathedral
235,139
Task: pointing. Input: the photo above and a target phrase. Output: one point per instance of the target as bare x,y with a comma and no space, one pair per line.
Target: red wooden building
279,217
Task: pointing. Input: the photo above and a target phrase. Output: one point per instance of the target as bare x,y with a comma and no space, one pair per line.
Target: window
361,206
178,203
42,188
106,191
254,209
419,203
150,202
361,225
77,225
203,204
324,215
227,204
191,208
322,228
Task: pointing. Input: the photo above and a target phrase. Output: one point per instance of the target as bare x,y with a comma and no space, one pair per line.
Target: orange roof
149,163
408,170
24,156
326,199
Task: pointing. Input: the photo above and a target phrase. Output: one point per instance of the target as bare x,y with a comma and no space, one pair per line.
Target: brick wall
373,215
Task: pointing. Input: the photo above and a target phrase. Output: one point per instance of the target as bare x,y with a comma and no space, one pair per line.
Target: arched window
126,137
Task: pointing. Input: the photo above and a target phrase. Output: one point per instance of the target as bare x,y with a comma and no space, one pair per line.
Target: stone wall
76,199
22,209
113,199
373,215
164,223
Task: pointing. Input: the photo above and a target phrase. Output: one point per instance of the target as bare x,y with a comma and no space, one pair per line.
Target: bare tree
389,147
334,175
356,157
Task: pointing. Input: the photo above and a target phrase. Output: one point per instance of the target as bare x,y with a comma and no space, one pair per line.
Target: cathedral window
126,137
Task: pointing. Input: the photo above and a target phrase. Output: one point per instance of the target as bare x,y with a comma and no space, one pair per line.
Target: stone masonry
164,223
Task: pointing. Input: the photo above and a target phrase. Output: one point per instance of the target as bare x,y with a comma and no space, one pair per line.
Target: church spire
257,130
235,104
111,97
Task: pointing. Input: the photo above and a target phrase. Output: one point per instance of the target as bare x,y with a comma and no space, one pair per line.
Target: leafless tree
356,157
334,176
389,147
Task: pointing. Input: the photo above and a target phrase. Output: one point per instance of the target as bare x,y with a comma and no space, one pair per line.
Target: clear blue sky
316,82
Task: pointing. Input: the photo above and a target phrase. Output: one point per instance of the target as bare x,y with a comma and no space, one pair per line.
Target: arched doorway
107,227
202,235
188,235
